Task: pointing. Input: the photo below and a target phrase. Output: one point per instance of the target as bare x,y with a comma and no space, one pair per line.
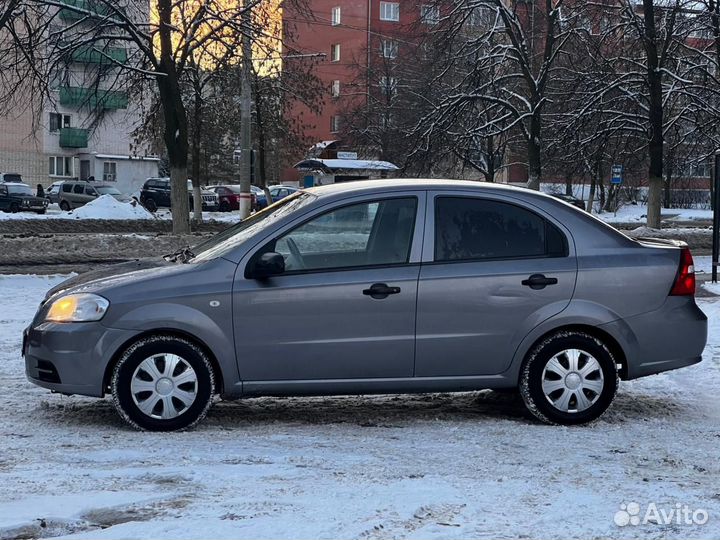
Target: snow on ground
418,466
637,213
107,207
109,211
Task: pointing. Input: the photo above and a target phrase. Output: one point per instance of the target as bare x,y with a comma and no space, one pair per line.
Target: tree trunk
534,155
655,118
667,194
568,184
591,196
175,134
196,138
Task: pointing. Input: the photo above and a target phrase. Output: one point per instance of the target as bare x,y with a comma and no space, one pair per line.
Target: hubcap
572,380
164,386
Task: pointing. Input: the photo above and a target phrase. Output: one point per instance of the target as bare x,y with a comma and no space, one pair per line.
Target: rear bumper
671,337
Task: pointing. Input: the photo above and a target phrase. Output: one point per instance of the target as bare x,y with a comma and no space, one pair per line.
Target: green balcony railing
86,8
74,138
73,96
99,55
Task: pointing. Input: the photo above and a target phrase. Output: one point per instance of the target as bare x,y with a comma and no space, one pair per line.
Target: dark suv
19,197
155,193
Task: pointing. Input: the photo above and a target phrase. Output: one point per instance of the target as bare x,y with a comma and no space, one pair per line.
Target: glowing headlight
78,308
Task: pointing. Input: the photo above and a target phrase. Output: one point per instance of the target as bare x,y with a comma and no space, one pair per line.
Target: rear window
10,177
474,229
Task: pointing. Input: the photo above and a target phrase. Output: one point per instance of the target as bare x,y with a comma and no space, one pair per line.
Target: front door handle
539,281
380,291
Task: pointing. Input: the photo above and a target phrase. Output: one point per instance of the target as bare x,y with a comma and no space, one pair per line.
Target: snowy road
451,466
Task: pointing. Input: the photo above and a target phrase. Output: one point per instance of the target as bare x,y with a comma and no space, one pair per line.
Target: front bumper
71,358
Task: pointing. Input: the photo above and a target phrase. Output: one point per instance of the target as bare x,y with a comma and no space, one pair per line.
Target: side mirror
269,264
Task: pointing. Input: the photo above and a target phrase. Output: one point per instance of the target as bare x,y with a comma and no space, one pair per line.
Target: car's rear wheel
150,205
569,378
163,383
224,206
64,206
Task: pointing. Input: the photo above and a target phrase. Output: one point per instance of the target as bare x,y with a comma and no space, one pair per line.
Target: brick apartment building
354,35
63,143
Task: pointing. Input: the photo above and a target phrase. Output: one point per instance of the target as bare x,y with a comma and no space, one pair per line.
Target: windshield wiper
183,255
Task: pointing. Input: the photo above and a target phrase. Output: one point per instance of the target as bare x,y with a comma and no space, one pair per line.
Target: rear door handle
380,291
539,281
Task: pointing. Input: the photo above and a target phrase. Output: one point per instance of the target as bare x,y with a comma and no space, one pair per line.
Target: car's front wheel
569,378
163,383
150,205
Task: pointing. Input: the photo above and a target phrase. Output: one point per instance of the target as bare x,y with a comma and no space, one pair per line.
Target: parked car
52,193
19,197
10,177
280,192
579,203
377,287
229,197
155,194
76,193
260,197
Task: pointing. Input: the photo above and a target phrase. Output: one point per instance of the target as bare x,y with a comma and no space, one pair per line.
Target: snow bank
107,207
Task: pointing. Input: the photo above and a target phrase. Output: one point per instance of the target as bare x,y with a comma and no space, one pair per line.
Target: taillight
685,281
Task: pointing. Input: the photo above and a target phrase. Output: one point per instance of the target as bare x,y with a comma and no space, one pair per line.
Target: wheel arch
173,332
608,339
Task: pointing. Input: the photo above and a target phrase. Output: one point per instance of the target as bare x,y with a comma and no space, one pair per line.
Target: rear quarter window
468,228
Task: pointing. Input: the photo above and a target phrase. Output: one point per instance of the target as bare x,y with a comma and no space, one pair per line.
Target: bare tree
163,39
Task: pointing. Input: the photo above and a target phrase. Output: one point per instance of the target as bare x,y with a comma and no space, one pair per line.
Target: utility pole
246,112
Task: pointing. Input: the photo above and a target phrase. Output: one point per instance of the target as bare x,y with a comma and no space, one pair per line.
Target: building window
335,52
334,124
430,14
59,121
388,85
109,171
335,19
389,11
335,90
389,48
60,166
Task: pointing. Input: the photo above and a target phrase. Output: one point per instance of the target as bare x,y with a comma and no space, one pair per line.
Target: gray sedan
377,287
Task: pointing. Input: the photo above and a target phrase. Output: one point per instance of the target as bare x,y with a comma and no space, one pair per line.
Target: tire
14,208
183,404
560,387
150,205
41,212
64,206
224,206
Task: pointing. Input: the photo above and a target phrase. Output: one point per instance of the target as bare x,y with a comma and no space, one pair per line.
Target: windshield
108,190
19,189
232,237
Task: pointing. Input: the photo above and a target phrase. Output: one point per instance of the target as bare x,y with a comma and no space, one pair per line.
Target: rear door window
468,228
78,188
67,188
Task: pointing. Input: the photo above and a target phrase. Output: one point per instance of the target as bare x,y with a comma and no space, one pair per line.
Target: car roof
423,184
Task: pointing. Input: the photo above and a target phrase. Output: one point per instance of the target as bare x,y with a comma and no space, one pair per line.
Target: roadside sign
617,174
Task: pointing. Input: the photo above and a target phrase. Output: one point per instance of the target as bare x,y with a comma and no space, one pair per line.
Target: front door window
375,233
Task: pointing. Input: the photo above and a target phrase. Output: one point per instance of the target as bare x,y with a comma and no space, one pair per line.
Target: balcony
74,138
73,96
94,9
97,55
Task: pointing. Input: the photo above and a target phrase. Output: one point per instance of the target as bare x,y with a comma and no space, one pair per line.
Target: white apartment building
65,144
